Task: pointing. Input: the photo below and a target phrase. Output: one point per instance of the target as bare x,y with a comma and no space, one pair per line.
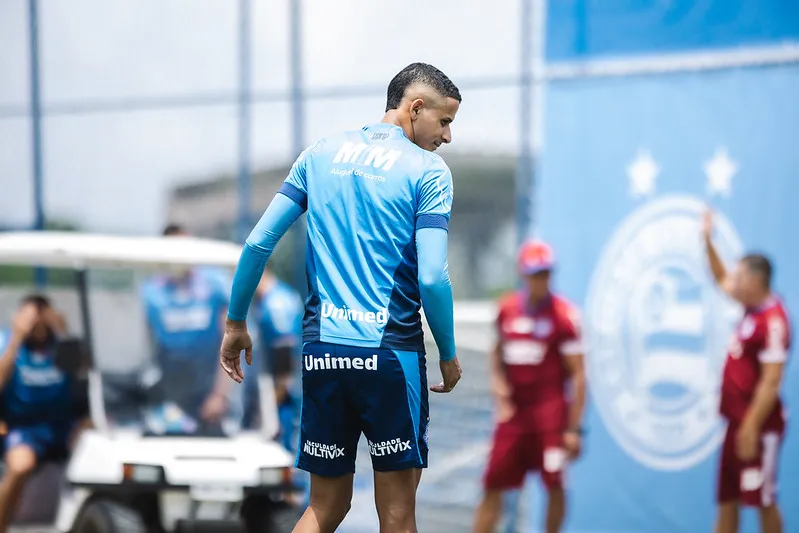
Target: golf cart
128,473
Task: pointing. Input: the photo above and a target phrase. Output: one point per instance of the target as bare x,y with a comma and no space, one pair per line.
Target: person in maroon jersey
750,399
537,360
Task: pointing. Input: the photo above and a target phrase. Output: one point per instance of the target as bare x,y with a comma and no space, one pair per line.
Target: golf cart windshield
153,349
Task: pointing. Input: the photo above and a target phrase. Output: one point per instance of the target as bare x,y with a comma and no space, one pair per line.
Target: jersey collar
392,130
540,306
768,303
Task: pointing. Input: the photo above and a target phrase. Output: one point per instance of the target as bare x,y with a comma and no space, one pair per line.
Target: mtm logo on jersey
340,363
324,451
363,154
353,315
389,447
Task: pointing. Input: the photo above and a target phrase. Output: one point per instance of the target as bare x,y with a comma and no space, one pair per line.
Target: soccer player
378,204
538,382
35,396
185,314
750,391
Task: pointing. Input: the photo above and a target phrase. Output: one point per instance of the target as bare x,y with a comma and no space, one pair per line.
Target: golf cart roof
60,249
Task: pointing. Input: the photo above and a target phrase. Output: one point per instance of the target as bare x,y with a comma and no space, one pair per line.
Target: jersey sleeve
435,198
775,349
571,340
296,184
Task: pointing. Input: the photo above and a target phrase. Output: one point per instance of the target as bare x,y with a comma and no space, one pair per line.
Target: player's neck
394,117
534,303
761,301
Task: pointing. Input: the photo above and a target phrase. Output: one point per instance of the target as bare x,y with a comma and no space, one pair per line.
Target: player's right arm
432,220
717,267
500,387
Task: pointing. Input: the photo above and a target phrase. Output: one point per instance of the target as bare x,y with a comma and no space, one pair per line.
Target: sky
112,171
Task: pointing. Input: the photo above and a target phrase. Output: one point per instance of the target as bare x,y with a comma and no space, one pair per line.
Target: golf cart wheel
262,515
109,517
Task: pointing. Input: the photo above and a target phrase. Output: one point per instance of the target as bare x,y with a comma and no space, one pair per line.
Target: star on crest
642,172
719,171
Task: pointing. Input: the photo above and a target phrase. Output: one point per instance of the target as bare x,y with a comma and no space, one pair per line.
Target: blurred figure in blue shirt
185,312
278,317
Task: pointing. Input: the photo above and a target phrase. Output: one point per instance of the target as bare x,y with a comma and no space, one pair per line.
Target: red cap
535,256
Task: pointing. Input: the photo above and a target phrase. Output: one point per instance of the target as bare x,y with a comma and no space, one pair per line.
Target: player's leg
394,417
329,503
395,500
329,435
552,461
727,519
22,450
759,483
505,471
770,519
729,486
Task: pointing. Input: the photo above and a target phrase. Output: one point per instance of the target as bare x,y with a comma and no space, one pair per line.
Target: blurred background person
278,316
35,397
538,382
750,390
185,313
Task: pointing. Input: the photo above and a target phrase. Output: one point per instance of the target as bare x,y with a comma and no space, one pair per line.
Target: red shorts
516,450
752,483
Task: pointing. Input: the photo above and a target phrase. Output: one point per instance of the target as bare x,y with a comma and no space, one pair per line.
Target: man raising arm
750,391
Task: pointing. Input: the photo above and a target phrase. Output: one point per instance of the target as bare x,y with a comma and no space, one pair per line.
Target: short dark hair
759,264
39,300
419,73
173,229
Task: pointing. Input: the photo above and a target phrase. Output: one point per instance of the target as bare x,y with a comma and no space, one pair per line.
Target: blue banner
627,167
588,29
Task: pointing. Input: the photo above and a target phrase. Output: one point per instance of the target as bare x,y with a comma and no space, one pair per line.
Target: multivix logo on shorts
323,451
657,328
354,315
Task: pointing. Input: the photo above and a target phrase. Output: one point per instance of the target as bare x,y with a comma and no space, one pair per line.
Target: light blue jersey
366,193
184,317
279,317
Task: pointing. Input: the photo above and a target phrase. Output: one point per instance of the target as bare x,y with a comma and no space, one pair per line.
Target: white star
642,173
719,171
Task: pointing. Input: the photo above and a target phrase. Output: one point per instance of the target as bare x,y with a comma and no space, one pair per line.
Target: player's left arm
572,349
772,360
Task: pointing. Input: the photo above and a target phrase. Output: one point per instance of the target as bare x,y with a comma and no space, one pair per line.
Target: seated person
36,398
185,313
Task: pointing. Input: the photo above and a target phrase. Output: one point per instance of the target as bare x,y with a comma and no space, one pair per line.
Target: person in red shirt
750,398
538,383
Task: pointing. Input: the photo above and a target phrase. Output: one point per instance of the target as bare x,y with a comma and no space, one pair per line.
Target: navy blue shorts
347,391
43,439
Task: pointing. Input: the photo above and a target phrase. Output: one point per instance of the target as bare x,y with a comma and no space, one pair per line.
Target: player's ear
416,108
